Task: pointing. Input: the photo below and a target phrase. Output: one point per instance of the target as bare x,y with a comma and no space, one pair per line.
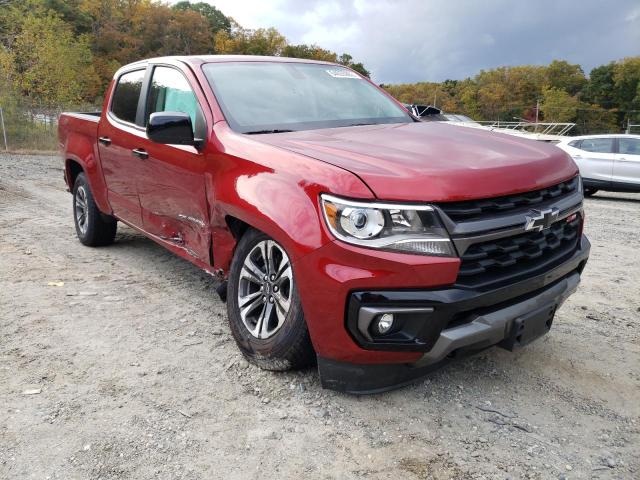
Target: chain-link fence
32,126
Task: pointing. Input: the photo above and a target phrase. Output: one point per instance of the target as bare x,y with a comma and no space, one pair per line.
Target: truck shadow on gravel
197,285
610,198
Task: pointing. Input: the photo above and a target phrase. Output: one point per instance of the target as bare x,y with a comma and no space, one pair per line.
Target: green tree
626,78
347,60
52,65
312,52
594,119
565,76
599,88
558,106
216,19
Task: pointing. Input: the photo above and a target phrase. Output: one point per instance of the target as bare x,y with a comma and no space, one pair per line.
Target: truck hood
432,161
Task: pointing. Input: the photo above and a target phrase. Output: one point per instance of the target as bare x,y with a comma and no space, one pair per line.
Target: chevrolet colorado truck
346,232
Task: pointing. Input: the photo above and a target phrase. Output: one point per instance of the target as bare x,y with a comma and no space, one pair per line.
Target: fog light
384,323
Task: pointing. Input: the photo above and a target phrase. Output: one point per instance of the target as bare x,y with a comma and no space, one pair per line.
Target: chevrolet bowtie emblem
541,219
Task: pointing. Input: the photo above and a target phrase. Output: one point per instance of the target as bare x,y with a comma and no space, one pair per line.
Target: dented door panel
173,198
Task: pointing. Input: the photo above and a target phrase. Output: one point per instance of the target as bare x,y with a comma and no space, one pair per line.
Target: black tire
289,347
589,191
94,229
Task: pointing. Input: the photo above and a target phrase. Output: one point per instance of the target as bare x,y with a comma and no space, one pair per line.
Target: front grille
478,209
510,259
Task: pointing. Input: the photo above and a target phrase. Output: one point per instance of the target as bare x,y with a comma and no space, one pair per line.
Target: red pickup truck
345,231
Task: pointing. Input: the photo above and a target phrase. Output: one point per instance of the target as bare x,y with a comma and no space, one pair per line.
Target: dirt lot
128,370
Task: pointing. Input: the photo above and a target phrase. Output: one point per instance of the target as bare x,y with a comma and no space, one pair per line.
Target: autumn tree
51,64
565,76
558,105
312,52
215,18
626,83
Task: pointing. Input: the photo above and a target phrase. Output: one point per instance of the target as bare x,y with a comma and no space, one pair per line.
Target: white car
606,162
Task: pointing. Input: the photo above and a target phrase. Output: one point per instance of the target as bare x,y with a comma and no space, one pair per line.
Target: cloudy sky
412,40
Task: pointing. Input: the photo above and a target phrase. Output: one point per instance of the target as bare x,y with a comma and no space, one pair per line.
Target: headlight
405,228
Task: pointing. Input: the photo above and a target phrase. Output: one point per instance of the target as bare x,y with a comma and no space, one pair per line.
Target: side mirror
173,128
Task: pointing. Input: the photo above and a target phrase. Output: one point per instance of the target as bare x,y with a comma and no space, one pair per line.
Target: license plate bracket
527,328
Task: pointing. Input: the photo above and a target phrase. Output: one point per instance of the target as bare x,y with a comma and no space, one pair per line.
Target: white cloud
411,40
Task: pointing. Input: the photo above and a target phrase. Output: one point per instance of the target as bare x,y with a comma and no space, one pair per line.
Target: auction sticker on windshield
342,73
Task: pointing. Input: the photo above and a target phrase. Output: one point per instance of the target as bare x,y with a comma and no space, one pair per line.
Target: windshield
271,97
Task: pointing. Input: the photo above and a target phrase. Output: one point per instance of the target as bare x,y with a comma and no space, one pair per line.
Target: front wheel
264,308
93,227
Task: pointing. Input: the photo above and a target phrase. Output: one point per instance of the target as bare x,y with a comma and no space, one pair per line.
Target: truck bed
92,116
75,125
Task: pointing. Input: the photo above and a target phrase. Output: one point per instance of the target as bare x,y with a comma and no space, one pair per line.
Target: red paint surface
273,182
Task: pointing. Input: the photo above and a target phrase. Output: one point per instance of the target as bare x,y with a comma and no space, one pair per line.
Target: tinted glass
575,143
257,96
170,92
629,146
597,145
125,98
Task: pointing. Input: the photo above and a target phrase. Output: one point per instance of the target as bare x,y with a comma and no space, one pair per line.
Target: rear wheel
589,191
264,309
93,227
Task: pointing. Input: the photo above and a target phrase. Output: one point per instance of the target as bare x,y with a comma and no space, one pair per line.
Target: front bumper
448,323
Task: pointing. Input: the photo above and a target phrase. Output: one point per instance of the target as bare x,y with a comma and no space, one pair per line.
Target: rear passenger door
595,159
172,189
627,165
119,133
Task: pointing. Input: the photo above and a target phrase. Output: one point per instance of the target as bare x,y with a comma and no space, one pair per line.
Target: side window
597,145
170,92
629,146
124,103
575,143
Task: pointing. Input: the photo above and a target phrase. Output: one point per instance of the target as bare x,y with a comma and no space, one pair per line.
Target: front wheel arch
290,346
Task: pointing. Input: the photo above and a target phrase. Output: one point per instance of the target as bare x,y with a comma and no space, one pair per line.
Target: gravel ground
128,370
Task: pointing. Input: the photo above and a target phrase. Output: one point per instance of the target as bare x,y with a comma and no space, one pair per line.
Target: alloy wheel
82,209
265,289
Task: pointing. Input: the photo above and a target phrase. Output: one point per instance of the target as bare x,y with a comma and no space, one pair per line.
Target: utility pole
4,130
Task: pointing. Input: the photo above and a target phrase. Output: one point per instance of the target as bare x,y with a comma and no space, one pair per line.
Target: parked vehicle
551,132
606,162
347,231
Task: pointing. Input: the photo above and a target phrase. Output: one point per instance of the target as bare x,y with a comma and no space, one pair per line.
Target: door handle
106,141
140,153
577,156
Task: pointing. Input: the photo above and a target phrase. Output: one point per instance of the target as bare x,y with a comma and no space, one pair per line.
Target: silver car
606,162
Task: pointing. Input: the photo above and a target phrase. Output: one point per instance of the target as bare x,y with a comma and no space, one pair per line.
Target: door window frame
143,94
614,144
618,145
145,108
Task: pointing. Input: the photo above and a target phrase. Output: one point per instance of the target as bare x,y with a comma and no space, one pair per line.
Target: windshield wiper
360,124
275,130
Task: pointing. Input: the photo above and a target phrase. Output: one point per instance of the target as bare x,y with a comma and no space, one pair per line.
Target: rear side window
629,146
170,92
575,143
597,145
124,104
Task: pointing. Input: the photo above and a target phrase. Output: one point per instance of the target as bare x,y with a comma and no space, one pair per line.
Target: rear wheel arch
73,169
